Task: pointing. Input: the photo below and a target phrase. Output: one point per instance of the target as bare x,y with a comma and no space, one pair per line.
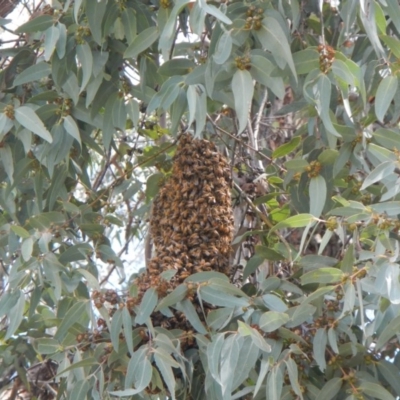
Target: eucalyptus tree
295,105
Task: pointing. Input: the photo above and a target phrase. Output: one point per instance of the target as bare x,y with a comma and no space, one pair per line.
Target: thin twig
263,217
258,119
259,153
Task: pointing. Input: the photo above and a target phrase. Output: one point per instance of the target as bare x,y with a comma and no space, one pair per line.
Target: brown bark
7,6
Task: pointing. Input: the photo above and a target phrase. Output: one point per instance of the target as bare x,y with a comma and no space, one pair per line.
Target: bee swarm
192,222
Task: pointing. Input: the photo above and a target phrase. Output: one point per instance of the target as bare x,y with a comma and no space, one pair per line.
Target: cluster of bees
192,221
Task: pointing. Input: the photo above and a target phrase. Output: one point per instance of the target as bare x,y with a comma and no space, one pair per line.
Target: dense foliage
302,99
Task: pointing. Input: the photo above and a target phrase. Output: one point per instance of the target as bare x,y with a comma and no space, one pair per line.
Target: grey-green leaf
72,128
384,95
272,320
147,306
29,120
95,11
33,73
317,195
330,389
319,347
142,42
242,88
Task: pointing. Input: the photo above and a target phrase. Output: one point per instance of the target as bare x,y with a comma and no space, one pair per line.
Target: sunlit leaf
322,275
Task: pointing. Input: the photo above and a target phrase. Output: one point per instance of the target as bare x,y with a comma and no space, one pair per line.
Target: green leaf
8,301
206,276
52,35
178,294
119,113
214,349
20,231
248,357
274,303
38,24
73,315
176,66
224,48
139,373
330,389
229,360
116,325
215,12
274,383
261,70
318,293
252,265
47,345
273,39
375,390
127,322
322,275
384,95
306,61
322,99
142,42
296,164
95,11
265,365
164,366
382,171
91,280
71,127
132,108
224,286
197,102
7,161
391,329
297,221
129,21
28,119
268,254
390,373
271,320
192,316
388,138
71,87
87,362
147,306
319,347
294,376
317,191
259,340
243,89
80,390
342,71
62,41
217,319
15,315
393,43
218,298
84,54
33,73
287,148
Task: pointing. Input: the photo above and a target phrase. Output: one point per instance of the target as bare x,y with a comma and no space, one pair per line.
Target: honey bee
184,274
195,253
